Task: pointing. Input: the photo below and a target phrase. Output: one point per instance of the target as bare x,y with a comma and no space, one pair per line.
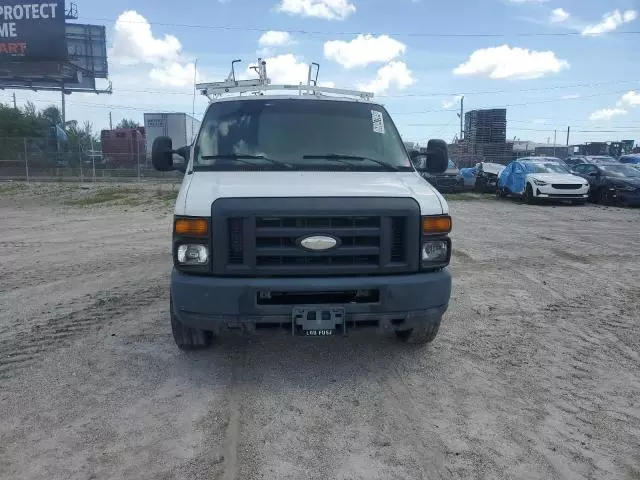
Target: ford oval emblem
318,242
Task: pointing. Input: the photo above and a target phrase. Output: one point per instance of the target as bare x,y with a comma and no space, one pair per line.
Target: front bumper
551,193
222,303
629,198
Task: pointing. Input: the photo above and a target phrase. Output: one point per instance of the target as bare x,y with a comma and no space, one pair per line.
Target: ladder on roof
258,86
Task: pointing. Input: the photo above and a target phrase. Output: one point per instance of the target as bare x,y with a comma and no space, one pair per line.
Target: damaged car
538,179
487,174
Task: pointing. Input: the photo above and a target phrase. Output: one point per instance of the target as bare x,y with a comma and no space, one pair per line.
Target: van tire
188,338
419,336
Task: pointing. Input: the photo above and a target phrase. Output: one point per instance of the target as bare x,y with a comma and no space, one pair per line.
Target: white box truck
180,127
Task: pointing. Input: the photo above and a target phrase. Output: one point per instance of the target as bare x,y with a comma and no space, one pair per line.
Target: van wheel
188,338
420,335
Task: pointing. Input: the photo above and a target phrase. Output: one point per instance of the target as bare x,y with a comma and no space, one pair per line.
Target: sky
551,63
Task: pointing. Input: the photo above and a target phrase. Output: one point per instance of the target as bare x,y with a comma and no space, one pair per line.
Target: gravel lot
535,373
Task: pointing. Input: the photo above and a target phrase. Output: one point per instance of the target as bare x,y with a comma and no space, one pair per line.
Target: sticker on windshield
378,121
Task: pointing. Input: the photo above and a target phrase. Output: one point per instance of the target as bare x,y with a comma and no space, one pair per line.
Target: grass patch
12,188
467,196
166,195
106,195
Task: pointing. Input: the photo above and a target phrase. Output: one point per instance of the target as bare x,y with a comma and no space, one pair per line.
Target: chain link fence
38,159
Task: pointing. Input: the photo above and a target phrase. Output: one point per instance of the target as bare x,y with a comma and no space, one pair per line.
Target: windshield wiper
338,157
244,159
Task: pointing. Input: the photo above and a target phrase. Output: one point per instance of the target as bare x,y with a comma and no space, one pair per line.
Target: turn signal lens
198,227
436,225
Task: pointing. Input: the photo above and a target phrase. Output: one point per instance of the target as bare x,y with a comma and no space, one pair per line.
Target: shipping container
123,147
180,127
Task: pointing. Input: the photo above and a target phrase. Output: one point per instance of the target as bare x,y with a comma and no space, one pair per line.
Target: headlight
435,253
540,183
625,188
192,254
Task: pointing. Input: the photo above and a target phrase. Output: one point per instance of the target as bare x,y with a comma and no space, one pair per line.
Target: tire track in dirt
26,348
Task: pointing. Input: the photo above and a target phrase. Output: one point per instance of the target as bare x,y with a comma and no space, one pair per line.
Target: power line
441,94
353,33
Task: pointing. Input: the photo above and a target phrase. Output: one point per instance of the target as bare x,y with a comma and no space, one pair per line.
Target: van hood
200,189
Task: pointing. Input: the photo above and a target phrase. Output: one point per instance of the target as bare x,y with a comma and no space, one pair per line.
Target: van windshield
300,134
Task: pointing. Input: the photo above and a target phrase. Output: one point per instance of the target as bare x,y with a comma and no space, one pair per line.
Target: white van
303,211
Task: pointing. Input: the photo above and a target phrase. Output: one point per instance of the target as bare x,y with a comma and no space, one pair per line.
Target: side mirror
437,156
162,154
593,174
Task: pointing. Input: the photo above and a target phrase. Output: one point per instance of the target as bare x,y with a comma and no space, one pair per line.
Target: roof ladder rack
258,86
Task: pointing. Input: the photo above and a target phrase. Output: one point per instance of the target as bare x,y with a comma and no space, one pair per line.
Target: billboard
33,31
86,60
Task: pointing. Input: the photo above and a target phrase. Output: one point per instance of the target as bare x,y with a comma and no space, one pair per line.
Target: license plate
317,321
318,333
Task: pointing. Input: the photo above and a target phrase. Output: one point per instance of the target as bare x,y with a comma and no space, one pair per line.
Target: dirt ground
535,373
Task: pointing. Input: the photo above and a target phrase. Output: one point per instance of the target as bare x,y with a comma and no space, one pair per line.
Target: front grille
236,241
564,186
262,237
277,241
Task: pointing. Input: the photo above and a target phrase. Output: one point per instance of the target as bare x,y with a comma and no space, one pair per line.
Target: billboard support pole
26,160
64,109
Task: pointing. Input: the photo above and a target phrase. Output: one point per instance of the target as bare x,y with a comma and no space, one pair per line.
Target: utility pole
110,122
555,138
15,105
568,131
461,118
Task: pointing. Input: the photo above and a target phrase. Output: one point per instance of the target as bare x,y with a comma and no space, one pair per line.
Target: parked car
448,181
535,179
614,183
574,160
487,176
592,159
469,176
633,160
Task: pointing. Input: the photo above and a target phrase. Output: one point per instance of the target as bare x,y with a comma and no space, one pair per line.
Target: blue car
542,178
633,160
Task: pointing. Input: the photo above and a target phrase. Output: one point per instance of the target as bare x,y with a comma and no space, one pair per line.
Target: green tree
127,123
52,114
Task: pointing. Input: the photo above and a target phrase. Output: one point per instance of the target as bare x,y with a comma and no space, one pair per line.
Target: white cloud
570,96
174,74
328,84
559,15
446,104
607,113
285,69
540,121
363,50
630,99
610,22
516,63
134,43
327,9
393,74
274,38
